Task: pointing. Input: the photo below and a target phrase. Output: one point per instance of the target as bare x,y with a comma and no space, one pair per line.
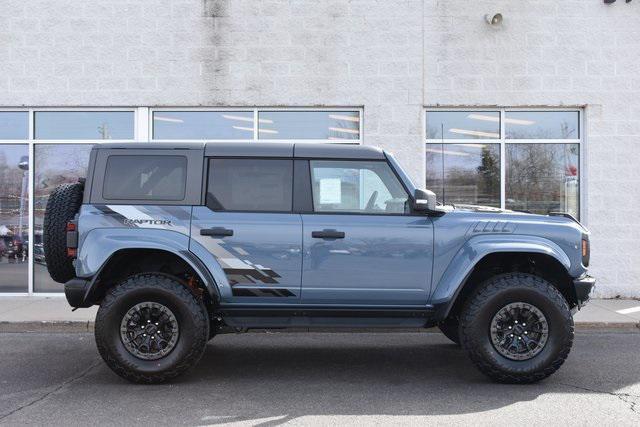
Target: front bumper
583,286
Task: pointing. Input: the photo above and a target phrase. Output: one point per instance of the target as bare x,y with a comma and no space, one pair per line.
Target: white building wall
390,57
557,53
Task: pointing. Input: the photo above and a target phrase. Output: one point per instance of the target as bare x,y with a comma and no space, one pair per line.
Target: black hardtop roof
261,149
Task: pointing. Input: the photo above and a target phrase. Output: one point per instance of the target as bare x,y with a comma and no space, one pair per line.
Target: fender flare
100,246
474,250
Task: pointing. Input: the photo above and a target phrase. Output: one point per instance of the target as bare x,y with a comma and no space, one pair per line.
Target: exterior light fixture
493,20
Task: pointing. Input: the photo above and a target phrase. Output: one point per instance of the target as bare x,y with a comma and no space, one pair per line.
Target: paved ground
298,379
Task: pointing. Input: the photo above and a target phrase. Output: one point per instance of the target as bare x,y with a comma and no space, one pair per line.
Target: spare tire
62,206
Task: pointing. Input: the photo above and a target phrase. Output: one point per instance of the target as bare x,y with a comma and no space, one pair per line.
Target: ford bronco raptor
178,244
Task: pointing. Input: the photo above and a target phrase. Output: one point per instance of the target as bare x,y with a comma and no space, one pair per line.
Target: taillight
585,251
72,239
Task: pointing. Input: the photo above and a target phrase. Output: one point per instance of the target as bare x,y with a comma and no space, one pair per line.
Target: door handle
328,234
216,232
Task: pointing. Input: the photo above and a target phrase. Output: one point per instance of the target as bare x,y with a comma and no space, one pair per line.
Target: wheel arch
476,261
185,266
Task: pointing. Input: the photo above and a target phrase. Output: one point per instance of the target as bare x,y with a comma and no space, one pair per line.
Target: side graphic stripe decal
262,292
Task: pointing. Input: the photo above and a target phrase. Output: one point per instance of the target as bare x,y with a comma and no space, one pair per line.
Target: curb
72,326
67,326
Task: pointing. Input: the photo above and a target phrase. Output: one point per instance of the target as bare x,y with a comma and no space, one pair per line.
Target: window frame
255,137
208,162
193,187
503,141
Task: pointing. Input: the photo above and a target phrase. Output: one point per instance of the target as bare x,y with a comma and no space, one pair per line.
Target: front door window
363,187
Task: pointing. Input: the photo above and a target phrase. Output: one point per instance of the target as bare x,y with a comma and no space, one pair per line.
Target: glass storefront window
14,125
463,124
542,124
14,217
471,173
64,125
54,164
61,151
540,174
543,178
209,125
327,125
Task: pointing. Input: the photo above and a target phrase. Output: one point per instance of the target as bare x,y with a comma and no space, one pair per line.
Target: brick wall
392,57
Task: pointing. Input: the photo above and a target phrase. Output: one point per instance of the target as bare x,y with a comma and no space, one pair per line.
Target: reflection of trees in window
471,173
10,189
55,165
489,171
542,177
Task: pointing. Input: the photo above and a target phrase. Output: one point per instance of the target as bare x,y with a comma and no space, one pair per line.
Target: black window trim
299,205
193,195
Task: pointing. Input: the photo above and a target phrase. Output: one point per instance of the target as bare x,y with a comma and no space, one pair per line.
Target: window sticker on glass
330,191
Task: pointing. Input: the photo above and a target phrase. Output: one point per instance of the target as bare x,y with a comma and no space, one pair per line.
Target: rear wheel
62,206
517,328
151,328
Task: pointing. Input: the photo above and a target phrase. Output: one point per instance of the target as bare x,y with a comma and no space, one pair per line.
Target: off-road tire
62,206
190,314
490,297
450,327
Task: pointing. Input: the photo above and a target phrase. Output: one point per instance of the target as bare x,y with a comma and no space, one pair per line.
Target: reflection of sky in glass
463,124
542,124
203,125
84,125
13,153
334,125
14,125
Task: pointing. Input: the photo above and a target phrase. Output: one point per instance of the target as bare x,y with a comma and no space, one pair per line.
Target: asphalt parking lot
316,378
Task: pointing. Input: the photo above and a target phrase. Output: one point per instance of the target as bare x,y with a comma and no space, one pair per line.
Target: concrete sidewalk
53,314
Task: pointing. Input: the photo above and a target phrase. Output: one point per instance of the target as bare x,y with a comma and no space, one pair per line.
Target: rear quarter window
139,177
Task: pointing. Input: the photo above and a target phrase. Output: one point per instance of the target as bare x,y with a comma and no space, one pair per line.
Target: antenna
444,200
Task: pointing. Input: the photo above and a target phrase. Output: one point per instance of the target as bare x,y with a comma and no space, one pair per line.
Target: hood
560,217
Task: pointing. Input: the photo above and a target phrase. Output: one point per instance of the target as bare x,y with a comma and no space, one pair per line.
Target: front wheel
517,328
151,328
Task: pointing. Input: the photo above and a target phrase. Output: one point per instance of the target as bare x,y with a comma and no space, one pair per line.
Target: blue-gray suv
179,243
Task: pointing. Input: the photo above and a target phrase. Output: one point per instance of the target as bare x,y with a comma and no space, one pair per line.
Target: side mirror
425,200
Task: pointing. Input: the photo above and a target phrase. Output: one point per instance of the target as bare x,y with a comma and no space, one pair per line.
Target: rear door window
250,185
161,178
